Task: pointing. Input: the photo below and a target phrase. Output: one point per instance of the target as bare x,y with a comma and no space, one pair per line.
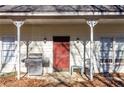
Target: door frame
69,50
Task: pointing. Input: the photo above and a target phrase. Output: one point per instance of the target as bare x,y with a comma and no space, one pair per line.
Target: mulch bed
100,80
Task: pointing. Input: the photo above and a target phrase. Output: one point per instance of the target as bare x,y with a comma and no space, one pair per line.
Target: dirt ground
65,80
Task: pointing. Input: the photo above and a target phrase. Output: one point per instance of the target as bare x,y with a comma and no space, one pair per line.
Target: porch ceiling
63,21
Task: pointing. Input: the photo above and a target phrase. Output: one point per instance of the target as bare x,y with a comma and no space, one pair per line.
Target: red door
61,53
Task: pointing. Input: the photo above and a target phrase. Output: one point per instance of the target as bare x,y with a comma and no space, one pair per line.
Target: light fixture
45,39
77,39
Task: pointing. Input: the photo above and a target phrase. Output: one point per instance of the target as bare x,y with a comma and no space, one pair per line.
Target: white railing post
91,24
18,25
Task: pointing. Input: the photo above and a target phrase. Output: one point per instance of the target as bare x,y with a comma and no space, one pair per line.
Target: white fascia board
59,13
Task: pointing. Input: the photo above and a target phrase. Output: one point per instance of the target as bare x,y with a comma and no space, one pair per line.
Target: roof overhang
60,15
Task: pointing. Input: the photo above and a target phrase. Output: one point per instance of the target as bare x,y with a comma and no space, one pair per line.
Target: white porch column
18,25
91,24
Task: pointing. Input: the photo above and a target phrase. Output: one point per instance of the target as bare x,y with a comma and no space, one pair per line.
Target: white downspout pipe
18,25
91,24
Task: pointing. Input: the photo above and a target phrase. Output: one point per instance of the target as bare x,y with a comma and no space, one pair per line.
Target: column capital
92,23
18,23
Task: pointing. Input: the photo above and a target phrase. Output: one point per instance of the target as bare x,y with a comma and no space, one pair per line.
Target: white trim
58,13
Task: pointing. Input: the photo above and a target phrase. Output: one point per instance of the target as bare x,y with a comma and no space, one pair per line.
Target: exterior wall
34,36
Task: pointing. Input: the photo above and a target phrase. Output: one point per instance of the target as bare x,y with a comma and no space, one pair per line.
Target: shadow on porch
65,79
